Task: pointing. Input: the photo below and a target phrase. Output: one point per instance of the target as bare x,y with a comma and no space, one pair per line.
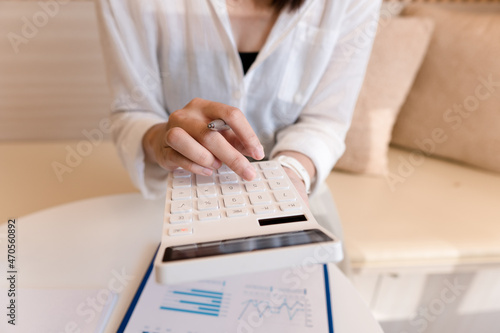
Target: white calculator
222,225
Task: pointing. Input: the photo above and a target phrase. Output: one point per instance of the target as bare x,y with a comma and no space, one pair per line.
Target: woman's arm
149,142
320,130
128,38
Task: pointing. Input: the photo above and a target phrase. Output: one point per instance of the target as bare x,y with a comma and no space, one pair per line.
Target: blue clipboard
133,305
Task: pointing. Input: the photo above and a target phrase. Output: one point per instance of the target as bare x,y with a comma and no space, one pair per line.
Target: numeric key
231,189
278,184
255,187
234,201
260,198
273,174
286,195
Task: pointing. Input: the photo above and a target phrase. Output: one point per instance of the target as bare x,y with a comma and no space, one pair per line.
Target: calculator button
181,207
208,204
269,165
278,184
181,218
210,215
256,178
237,212
224,169
181,193
231,188
206,191
181,173
204,180
284,195
234,201
255,187
286,207
181,182
273,174
228,178
264,209
180,231
260,198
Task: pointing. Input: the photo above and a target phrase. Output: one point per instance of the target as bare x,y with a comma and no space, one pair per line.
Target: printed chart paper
288,300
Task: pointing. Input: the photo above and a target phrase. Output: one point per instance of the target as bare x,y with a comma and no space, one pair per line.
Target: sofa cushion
453,108
398,50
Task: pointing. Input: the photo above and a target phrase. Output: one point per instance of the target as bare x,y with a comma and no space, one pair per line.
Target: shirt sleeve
320,131
128,33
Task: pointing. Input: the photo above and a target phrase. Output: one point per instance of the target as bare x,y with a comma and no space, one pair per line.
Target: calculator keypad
181,206
255,187
208,204
197,198
267,209
228,189
181,194
177,231
181,182
234,201
260,198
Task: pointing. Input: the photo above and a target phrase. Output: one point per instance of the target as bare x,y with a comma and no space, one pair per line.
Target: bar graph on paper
258,303
280,306
208,299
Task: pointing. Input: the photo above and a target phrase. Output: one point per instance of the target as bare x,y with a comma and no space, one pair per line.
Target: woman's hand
296,180
185,141
298,183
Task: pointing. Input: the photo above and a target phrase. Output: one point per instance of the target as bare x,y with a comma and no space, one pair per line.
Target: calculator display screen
244,244
282,219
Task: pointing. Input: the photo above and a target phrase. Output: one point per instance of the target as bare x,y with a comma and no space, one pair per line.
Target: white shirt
298,95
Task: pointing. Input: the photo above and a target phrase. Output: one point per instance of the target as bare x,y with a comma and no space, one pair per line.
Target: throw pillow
398,50
453,108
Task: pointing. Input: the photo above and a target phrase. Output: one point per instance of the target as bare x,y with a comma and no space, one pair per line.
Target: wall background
52,76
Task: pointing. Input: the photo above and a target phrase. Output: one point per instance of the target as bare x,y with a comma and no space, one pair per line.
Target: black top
247,59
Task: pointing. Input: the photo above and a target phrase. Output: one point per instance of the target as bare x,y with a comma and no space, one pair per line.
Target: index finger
240,126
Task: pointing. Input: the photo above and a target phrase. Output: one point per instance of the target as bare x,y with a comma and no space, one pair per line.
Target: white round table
87,244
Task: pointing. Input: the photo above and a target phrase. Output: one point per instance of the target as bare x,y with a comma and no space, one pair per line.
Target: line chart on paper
262,302
280,306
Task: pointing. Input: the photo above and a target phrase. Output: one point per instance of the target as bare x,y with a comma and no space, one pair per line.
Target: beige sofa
405,246
422,220
424,250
